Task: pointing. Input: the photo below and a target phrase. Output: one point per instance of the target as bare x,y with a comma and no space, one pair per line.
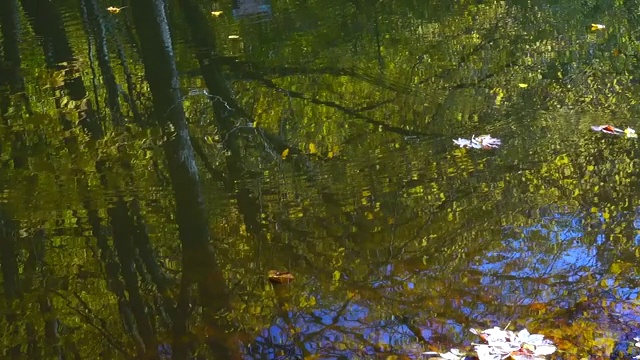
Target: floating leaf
610,129
523,85
453,354
216,13
503,344
280,277
234,37
480,142
115,10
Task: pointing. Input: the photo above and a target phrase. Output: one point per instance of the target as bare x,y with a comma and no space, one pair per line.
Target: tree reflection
325,136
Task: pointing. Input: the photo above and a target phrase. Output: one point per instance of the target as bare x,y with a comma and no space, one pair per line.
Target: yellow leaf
336,275
234,37
523,85
115,10
595,27
285,153
216,13
312,148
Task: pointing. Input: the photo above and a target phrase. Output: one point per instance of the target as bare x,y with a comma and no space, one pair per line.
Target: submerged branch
88,315
284,71
354,113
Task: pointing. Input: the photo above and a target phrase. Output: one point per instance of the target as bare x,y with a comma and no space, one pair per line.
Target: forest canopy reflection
273,180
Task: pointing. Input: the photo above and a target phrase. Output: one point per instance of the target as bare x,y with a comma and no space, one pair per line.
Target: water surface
159,159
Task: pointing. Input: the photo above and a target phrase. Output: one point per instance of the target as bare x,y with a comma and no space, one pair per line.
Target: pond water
160,158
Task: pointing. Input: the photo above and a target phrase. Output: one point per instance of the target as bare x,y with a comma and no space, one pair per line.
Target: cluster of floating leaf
503,344
488,142
480,142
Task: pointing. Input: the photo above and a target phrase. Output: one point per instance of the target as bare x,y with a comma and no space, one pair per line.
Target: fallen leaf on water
523,85
502,344
480,142
280,277
216,13
607,129
453,354
114,9
610,129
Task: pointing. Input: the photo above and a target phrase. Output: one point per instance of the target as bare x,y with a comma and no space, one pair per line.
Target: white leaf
544,350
